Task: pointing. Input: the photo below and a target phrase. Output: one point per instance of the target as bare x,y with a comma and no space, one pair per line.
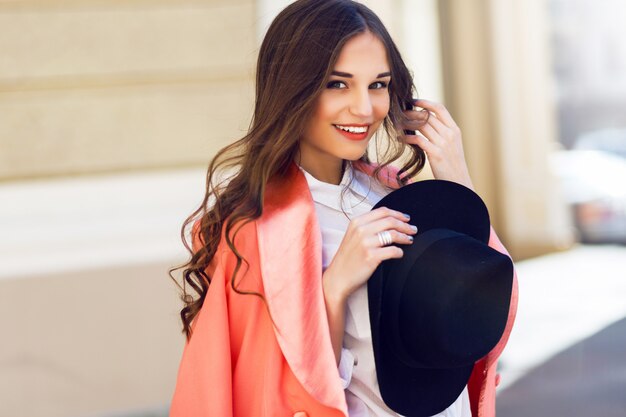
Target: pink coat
238,364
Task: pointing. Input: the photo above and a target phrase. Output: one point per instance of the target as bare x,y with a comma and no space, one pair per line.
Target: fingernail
406,215
414,228
410,238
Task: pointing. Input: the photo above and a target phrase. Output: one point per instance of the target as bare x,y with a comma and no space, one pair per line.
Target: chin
354,156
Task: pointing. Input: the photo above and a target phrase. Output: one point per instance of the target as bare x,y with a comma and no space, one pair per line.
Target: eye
378,85
336,84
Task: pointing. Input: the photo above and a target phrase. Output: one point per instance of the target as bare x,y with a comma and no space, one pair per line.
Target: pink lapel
290,250
386,176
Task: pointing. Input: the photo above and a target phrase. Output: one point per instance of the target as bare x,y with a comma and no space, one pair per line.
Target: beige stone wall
90,86
89,343
107,86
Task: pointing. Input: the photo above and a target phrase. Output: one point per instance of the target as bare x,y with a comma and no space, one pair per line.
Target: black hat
443,305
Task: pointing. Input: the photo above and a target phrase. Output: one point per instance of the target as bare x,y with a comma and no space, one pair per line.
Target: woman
283,246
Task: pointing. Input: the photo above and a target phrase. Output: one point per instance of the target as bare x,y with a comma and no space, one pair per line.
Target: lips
353,132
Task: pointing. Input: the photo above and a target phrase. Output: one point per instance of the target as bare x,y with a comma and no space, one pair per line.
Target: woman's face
349,110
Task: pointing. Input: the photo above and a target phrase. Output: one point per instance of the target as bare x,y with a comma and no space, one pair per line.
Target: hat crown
440,312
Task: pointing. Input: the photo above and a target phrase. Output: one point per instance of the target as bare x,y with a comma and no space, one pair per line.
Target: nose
361,103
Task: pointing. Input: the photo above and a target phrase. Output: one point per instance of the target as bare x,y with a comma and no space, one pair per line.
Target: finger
396,237
421,114
438,109
433,136
390,224
388,252
377,214
420,141
438,126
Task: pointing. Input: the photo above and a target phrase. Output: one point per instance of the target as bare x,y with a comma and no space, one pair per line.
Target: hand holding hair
441,140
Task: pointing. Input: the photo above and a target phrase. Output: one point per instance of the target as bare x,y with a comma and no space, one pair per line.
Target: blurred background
111,110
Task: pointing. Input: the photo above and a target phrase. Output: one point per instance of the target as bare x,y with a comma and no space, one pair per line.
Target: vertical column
498,87
420,43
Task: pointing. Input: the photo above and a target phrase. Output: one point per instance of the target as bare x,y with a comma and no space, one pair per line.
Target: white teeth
353,129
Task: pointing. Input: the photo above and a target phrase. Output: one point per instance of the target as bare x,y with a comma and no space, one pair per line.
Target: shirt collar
330,194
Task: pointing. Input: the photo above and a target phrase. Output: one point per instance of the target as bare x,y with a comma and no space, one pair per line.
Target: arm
336,313
358,255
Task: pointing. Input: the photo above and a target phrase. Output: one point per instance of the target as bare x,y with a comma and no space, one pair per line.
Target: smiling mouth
353,132
354,129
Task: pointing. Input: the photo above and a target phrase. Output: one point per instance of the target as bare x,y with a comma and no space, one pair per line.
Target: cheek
318,119
327,107
381,107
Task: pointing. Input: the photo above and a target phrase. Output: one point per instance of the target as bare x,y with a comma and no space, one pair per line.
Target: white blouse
357,368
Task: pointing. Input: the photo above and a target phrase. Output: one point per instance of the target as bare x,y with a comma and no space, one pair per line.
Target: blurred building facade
95,86
90,88
93,91
589,65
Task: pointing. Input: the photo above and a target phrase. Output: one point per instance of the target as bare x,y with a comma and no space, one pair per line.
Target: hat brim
432,204
412,392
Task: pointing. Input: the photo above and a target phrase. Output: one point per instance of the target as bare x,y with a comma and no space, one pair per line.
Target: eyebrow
348,75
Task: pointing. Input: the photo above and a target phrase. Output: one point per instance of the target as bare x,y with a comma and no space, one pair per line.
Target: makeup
353,132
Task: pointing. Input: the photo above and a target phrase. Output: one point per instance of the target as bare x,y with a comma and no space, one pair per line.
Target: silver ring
384,238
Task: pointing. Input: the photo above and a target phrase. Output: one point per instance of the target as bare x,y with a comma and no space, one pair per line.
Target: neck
331,173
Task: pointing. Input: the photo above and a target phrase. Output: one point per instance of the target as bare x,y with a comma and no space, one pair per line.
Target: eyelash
332,84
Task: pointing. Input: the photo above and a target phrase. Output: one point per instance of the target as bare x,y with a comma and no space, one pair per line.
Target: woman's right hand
360,251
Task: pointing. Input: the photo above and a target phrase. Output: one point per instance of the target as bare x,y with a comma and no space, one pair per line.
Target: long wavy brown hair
296,58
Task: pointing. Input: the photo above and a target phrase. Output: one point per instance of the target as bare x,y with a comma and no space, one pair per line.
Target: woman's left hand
441,141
